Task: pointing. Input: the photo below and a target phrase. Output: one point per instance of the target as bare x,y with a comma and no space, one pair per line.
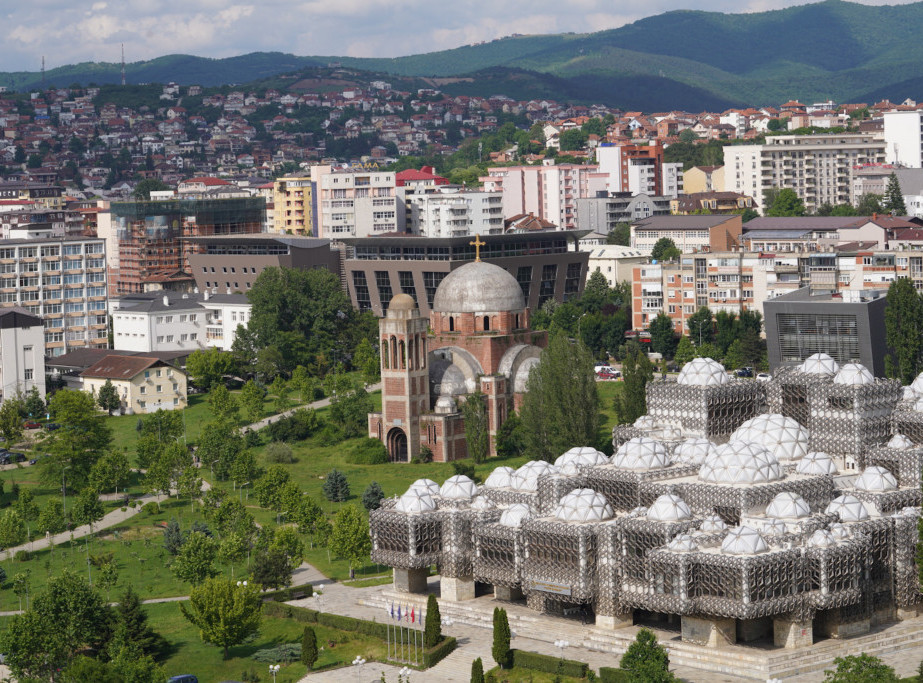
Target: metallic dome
515,515
783,436
692,451
816,462
744,540
668,508
849,508
415,501
458,486
703,372
584,505
819,364
852,374
641,453
740,462
875,478
788,505
478,287
500,478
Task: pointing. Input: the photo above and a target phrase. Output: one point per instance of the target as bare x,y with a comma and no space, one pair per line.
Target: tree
637,371
734,358
860,669
665,249
869,204
87,509
27,508
144,188
225,613
131,616
11,421
336,487
189,485
701,326
220,444
727,329
350,406
620,234
77,444
511,439
251,400
67,617
477,671
195,561
372,496
269,488
303,383
308,647
223,404
51,518
663,339
501,651
646,660
350,538
110,472
904,330
108,577
165,470
12,529
786,203
432,629
685,351
34,406
232,549
208,367
477,429
366,361
561,405
272,568
108,397
893,202
172,537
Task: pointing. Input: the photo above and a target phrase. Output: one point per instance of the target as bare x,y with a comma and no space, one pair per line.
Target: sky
72,31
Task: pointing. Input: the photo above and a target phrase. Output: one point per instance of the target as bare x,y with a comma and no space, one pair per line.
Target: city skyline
210,28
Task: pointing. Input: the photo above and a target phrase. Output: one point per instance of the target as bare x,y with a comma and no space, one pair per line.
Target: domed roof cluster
853,374
584,505
740,462
415,500
478,287
788,505
426,485
500,478
526,477
875,478
744,540
703,372
692,451
515,515
899,442
641,453
849,508
458,487
669,508
819,364
783,436
816,462
581,455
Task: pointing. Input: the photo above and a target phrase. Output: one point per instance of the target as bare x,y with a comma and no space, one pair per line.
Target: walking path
322,403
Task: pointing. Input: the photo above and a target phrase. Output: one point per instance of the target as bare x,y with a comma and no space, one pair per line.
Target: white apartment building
819,168
549,191
614,261
639,169
63,281
356,203
178,322
904,138
451,211
22,353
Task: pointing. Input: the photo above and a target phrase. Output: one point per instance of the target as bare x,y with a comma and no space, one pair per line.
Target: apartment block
62,281
40,194
904,138
22,353
689,233
602,214
451,211
356,203
293,205
639,169
549,191
819,168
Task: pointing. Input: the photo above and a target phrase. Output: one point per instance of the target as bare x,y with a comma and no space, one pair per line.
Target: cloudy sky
70,31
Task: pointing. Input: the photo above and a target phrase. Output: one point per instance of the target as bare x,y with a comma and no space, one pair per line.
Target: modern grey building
604,212
849,327
546,263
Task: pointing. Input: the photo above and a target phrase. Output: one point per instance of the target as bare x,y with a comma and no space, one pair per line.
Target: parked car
599,367
764,377
184,678
31,424
745,372
609,373
51,426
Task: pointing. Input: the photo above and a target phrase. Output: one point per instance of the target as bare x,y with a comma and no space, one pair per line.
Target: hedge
283,611
609,675
549,664
439,652
284,594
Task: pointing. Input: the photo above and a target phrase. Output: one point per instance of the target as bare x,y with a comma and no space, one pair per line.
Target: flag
398,612
420,620
412,617
392,611
406,613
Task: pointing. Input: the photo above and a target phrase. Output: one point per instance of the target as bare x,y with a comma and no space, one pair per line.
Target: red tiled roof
119,367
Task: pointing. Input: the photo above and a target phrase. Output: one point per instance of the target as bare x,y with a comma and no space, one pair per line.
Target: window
546,287
142,390
175,386
176,401
361,286
383,281
159,388
27,373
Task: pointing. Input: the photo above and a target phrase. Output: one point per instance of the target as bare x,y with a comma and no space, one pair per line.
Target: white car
763,377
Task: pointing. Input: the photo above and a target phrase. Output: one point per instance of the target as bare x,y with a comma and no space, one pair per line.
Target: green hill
684,59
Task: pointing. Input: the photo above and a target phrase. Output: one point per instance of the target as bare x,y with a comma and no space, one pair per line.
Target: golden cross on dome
477,244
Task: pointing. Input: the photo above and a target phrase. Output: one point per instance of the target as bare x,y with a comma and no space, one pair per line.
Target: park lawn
520,675
28,477
191,656
607,392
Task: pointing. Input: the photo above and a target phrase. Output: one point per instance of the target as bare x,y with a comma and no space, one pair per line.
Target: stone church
477,337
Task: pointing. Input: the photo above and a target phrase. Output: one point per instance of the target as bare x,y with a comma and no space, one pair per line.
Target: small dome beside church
402,302
478,287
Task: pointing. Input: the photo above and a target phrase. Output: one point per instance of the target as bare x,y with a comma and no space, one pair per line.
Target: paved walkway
322,403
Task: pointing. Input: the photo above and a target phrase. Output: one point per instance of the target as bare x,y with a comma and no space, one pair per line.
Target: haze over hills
678,60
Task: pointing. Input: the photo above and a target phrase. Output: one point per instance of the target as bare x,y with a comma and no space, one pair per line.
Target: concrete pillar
456,589
410,580
709,632
911,612
508,593
791,634
613,621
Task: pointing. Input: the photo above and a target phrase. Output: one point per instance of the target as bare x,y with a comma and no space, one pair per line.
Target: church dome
402,302
478,287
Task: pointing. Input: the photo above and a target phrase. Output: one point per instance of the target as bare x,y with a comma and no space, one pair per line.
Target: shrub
336,488
371,497
646,658
501,652
549,664
432,631
252,438
466,469
280,654
151,508
609,675
308,647
368,452
279,452
426,455
330,435
435,655
22,556
296,427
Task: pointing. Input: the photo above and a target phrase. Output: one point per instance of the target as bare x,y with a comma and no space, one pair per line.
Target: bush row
439,652
284,594
609,675
549,664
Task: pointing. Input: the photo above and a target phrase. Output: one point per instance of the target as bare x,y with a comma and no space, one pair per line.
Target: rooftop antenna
123,63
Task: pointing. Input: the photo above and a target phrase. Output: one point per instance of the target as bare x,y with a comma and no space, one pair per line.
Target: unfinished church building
720,512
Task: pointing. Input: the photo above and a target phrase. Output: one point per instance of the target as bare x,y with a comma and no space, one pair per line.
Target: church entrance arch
397,445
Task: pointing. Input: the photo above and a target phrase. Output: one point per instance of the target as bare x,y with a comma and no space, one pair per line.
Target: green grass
191,656
521,675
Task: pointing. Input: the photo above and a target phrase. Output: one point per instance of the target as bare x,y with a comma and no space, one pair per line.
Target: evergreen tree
477,671
477,429
701,325
501,651
904,331
371,497
108,397
646,660
432,629
637,371
272,568
35,406
172,537
561,405
336,487
685,351
131,615
663,340
308,647
893,201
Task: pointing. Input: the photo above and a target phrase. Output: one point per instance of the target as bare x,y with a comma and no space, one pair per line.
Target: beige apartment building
144,385
293,211
356,203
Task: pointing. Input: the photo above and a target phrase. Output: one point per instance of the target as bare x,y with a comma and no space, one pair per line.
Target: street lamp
561,645
404,674
358,662
274,669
